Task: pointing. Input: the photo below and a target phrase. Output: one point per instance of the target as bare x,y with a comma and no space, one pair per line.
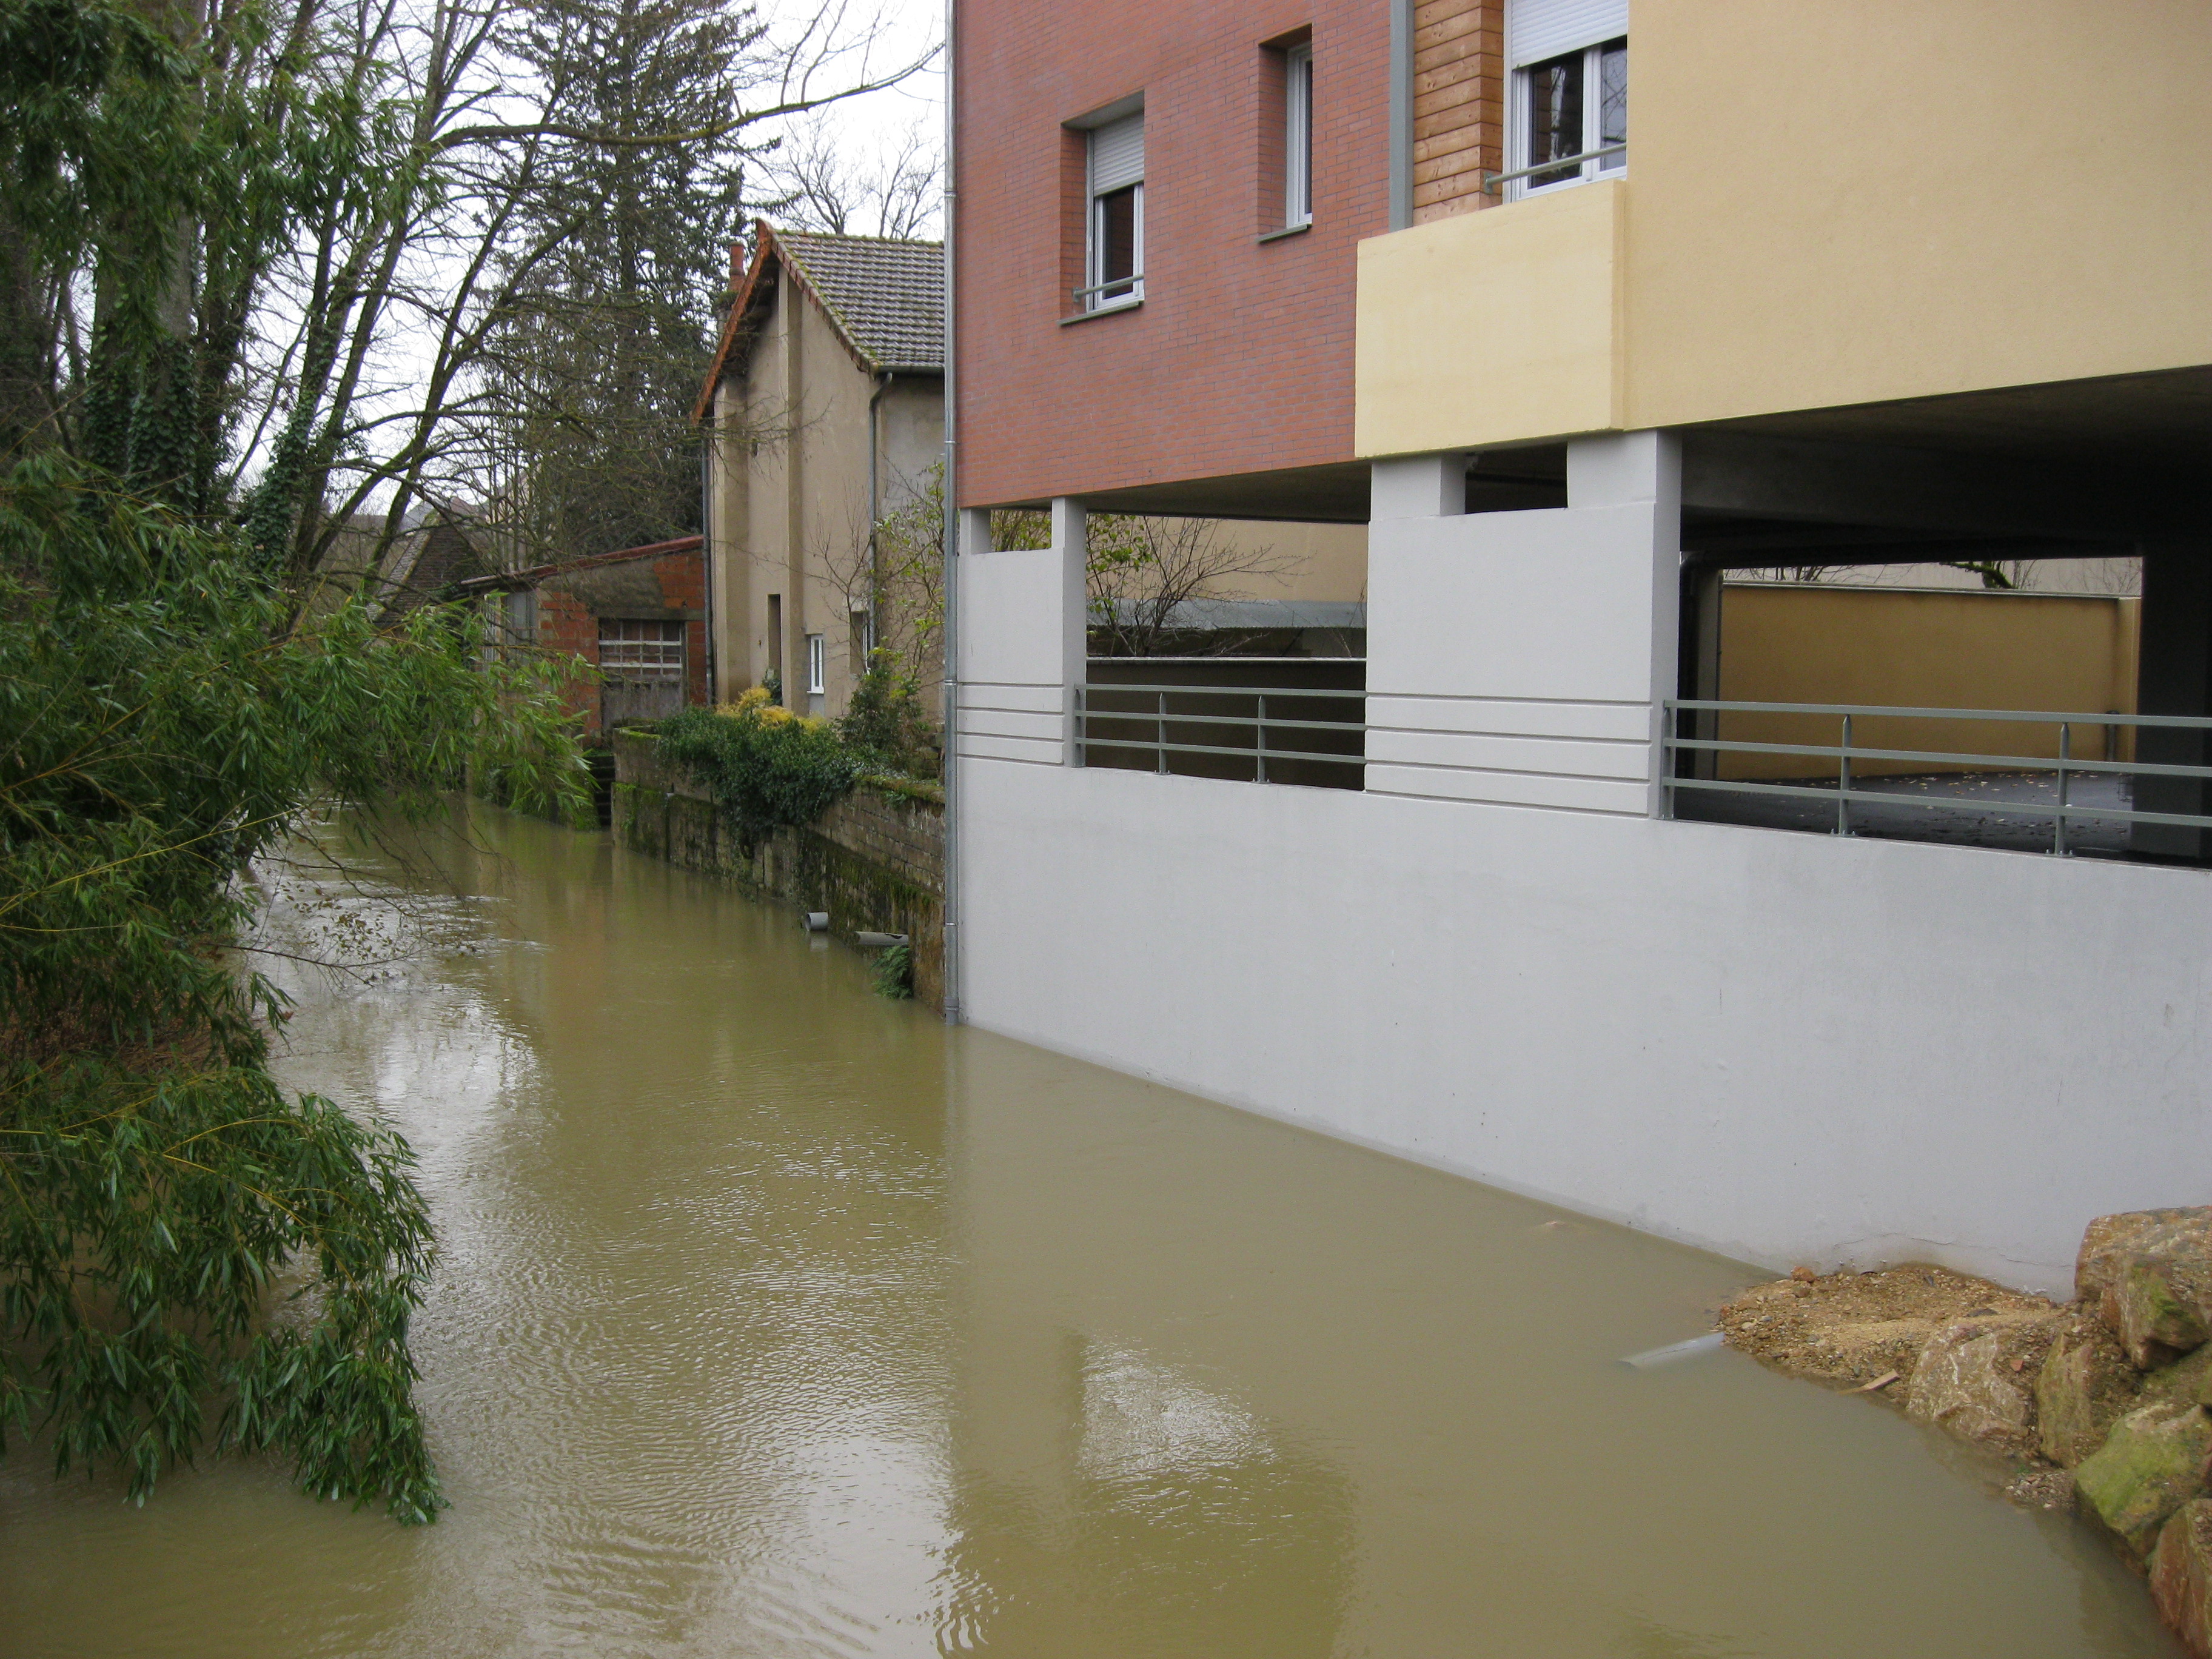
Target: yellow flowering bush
767,767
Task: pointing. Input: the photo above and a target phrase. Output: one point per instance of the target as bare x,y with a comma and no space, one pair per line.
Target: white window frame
1094,217
1517,152
637,650
818,665
1297,135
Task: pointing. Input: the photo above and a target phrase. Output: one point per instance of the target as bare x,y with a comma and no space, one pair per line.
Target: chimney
738,264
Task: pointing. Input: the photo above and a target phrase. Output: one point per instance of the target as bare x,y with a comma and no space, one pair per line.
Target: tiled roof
508,581
888,297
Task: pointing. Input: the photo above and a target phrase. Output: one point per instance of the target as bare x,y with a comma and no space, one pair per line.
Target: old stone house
824,411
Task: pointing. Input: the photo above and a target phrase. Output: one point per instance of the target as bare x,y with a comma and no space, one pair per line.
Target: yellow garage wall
1826,204
1491,327
2065,653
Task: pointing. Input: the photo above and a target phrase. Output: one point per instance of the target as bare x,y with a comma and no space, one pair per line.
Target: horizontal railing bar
1272,752
1997,809
1155,716
1492,180
1102,287
1151,745
2190,722
1088,692
2007,762
1213,660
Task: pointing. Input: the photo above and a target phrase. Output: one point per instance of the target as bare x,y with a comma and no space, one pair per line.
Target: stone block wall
875,860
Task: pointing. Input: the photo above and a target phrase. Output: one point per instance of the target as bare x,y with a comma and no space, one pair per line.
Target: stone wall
875,860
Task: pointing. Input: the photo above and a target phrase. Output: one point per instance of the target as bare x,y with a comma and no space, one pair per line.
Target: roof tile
888,297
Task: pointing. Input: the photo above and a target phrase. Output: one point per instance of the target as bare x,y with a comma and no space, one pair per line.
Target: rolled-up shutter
1117,153
1538,29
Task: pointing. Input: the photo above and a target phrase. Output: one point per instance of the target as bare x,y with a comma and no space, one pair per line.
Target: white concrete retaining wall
1786,1047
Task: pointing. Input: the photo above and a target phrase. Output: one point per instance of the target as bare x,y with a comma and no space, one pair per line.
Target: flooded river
775,1320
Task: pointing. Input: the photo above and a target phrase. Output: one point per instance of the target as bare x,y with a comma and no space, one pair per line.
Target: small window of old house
638,652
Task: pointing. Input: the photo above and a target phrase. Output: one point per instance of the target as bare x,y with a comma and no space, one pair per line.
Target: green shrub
886,726
165,725
892,972
767,767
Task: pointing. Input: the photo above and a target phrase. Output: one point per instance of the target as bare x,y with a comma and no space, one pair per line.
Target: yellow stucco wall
1829,204
794,502
2063,653
1492,327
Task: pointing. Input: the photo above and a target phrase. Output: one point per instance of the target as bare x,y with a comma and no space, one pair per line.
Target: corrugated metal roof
888,297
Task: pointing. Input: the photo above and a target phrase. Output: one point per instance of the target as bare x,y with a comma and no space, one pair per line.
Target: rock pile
2100,1404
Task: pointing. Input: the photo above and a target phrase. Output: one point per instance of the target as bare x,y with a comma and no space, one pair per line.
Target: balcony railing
1309,735
1122,287
2108,783
1492,180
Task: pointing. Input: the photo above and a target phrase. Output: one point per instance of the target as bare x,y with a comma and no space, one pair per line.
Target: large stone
2084,1384
2149,1273
2186,1381
1976,1379
2147,1311
2150,1465
2181,1576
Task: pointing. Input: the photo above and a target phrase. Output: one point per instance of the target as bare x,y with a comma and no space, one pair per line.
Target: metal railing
2165,733
1492,180
1130,283
1221,730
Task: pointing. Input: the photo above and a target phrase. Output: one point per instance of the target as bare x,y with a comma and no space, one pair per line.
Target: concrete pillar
1644,469
1418,487
1520,658
1614,469
1071,548
974,530
1020,640
2174,677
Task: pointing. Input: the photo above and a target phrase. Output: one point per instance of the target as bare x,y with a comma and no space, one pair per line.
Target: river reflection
775,1320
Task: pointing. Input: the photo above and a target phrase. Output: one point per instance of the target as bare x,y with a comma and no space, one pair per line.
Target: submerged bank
777,1320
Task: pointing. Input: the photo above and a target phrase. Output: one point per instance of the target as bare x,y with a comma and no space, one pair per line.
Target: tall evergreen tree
603,343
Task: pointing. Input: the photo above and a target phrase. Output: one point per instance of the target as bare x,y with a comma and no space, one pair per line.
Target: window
1297,137
1570,91
641,652
861,644
522,616
1116,197
817,666
774,642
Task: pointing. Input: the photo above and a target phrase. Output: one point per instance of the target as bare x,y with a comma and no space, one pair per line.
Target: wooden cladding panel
1459,103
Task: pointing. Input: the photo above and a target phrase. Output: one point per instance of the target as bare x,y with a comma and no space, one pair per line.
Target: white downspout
951,634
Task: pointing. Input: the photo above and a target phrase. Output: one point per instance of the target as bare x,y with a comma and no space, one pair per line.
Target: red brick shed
637,615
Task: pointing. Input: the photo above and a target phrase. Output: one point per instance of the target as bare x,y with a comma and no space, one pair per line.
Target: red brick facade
572,600
1239,361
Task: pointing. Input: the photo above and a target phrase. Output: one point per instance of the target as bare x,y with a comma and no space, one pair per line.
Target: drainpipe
707,540
875,514
948,633
1400,114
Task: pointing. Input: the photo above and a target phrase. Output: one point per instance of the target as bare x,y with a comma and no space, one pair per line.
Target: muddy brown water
776,1320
